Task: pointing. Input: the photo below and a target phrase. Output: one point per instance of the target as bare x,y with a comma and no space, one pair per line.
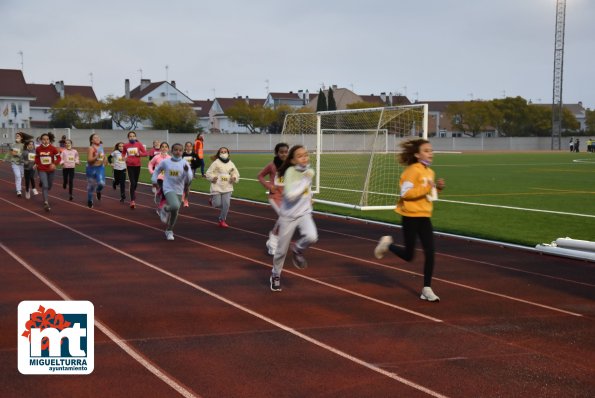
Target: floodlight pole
558,69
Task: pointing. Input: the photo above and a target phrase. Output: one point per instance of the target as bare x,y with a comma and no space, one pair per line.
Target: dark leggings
422,227
120,179
133,175
29,179
68,179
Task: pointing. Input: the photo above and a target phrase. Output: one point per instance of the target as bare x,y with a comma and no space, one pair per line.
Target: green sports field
523,198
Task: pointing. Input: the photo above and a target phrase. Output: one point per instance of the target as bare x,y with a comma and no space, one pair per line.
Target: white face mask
224,155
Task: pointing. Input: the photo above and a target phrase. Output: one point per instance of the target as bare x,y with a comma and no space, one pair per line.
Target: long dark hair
287,163
278,162
50,135
409,149
216,156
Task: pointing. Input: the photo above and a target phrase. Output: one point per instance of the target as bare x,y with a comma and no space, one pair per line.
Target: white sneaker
428,294
163,215
35,192
27,195
169,235
382,246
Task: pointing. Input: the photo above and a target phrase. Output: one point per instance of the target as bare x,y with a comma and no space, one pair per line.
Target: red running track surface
195,317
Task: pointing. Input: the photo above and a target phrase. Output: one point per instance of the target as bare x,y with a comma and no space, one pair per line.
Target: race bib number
45,160
224,178
31,157
70,158
17,151
132,151
188,159
174,173
100,157
279,181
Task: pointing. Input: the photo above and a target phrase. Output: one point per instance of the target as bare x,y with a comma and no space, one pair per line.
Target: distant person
418,190
134,150
69,161
223,175
118,162
95,171
590,145
62,142
155,149
571,144
577,145
199,151
47,157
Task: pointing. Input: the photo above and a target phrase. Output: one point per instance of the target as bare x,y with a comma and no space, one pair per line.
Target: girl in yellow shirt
417,192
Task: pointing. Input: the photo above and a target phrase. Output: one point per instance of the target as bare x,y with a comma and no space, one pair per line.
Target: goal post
354,152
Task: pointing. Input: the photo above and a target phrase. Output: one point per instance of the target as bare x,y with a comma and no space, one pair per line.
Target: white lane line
137,356
238,306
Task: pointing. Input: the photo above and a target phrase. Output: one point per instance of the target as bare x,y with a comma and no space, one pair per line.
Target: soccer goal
354,152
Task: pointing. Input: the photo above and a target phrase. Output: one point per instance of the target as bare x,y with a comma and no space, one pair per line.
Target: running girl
418,191
190,156
118,162
177,175
295,212
163,154
95,169
134,150
14,156
69,160
29,166
222,174
47,157
274,185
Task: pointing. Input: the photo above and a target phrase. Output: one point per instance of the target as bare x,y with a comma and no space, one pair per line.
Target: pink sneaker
132,204
223,224
186,203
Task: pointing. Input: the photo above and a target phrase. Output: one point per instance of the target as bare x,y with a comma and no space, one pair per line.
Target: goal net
354,152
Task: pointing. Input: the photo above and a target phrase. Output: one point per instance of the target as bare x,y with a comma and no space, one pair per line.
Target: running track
195,317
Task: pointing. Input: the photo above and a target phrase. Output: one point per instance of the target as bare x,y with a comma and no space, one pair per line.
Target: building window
20,108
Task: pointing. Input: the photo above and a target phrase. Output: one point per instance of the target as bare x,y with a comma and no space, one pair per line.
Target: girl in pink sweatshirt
68,160
158,158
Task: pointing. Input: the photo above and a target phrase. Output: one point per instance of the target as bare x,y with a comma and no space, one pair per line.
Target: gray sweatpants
222,200
173,203
287,226
19,172
47,179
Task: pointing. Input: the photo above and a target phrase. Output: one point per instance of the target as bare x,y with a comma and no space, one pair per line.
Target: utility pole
22,62
558,69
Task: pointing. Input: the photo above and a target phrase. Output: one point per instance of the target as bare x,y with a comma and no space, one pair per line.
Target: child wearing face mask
118,162
418,190
176,176
14,156
134,150
69,160
222,174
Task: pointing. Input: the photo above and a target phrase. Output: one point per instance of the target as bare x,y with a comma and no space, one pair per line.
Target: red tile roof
205,107
12,84
228,102
47,95
137,93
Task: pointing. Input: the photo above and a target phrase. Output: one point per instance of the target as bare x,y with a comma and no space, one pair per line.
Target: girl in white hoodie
222,174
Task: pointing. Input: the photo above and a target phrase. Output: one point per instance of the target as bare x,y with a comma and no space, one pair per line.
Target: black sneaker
46,206
114,184
122,199
275,283
98,195
90,204
70,198
298,259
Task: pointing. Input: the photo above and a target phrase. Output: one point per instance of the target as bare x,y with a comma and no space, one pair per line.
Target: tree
332,105
75,111
590,120
177,118
252,117
471,117
276,127
321,103
126,113
512,116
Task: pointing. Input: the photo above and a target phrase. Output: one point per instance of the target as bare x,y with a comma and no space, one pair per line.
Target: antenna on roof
166,73
141,73
91,78
22,62
267,85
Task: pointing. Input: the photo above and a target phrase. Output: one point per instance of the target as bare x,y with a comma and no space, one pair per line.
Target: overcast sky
427,49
